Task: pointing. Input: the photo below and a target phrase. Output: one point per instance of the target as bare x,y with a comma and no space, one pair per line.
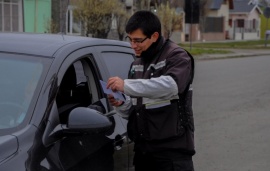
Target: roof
216,4
243,6
46,44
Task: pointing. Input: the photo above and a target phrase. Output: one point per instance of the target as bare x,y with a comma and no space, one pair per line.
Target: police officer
158,98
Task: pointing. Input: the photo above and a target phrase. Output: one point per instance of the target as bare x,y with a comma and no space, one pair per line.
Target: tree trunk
121,36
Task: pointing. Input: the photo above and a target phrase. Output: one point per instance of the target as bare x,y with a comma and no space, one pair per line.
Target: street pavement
231,113
235,54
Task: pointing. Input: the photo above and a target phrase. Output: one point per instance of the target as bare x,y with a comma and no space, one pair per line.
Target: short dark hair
147,21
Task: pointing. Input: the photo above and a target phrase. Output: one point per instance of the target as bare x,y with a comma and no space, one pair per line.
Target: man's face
140,42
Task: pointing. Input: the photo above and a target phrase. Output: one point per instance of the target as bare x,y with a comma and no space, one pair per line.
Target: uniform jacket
159,99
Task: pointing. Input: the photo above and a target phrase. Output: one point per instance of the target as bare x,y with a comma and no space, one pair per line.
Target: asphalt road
231,105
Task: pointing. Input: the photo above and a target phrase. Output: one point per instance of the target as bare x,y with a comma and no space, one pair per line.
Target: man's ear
155,36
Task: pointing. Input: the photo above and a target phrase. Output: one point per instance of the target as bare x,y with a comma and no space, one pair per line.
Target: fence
248,26
244,29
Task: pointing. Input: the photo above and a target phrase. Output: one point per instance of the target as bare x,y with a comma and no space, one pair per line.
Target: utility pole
192,16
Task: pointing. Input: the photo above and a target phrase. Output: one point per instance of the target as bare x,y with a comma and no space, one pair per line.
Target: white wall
247,36
224,12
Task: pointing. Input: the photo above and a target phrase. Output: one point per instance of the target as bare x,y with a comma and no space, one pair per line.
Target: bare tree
143,4
121,17
147,4
170,20
96,16
51,26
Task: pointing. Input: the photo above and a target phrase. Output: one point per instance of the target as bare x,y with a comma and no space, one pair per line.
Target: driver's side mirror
81,120
88,120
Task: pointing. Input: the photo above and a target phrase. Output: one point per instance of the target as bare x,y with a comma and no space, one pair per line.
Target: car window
73,91
19,80
118,63
79,71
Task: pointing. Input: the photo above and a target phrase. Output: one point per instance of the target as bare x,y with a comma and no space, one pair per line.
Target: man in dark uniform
158,98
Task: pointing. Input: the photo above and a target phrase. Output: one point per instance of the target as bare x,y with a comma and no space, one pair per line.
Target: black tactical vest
170,126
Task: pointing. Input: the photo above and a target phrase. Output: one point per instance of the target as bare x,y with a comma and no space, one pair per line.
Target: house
214,20
25,15
244,21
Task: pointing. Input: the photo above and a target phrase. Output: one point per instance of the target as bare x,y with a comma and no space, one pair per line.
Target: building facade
37,15
11,18
25,15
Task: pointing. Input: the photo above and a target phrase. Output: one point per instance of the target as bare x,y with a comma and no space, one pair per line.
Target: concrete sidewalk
235,54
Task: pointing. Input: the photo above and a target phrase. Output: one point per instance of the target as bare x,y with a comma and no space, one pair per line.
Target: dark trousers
163,161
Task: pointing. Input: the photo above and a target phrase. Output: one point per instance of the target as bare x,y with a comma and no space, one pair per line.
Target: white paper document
117,95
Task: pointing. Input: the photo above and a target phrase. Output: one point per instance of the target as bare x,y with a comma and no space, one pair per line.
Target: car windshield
19,78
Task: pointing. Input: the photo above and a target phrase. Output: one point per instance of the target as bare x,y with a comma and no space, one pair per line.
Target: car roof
47,44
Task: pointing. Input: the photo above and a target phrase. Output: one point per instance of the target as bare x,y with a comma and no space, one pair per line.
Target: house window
10,15
214,24
241,23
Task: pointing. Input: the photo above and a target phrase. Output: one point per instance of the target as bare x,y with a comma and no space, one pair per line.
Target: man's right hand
113,101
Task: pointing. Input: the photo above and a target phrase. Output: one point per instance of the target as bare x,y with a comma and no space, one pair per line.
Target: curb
225,56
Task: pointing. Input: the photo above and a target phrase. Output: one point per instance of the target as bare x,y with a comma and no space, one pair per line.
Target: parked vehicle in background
53,112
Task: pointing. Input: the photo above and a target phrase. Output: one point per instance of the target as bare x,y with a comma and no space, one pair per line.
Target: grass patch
252,44
200,51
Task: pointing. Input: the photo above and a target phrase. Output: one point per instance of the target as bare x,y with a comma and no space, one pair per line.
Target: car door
80,150
117,61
